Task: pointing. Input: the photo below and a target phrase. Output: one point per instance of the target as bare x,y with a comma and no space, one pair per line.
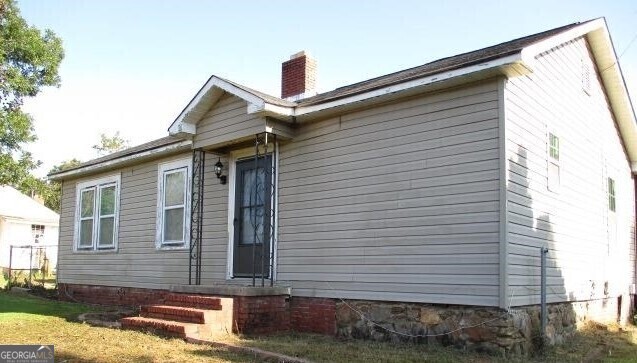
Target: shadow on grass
321,348
213,355
26,304
67,357
211,352
594,343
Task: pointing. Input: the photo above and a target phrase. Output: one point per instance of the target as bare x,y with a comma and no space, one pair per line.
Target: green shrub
4,279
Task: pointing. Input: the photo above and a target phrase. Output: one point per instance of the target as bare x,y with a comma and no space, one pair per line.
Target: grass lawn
25,319
593,344
30,320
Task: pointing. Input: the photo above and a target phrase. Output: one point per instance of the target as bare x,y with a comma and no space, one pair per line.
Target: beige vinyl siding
574,221
397,202
227,122
215,226
137,263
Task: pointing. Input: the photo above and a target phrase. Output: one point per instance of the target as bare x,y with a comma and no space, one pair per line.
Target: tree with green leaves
65,165
52,191
48,190
29,61
110,144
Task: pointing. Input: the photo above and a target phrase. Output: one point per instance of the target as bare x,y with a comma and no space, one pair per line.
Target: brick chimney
298,77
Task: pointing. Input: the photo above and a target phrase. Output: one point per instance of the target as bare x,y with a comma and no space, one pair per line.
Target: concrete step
175,313
193,301
166,327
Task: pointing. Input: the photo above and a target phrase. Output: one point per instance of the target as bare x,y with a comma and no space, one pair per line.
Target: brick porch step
175,313
165,327
193,301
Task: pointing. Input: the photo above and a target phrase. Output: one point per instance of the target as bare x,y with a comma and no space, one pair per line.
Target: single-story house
31,228
413,204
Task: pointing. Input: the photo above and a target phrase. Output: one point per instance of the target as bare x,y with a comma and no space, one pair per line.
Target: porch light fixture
219,171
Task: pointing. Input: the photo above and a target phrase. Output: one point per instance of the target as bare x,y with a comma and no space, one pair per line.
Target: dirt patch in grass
41,291
108,316
107,319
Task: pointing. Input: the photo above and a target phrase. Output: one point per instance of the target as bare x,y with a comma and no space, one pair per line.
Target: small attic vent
586,77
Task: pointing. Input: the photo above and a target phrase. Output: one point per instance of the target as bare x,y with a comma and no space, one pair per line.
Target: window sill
160,247
91,251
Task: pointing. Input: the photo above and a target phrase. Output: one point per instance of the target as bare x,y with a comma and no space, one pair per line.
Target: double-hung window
173,205
96,214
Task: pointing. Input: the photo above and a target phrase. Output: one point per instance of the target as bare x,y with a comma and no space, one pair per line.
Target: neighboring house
25,222
421,198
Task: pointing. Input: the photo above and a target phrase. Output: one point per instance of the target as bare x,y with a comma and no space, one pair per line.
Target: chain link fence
32,265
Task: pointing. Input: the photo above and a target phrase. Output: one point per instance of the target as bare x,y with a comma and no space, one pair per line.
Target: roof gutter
144,155
498,63
292,113
31,220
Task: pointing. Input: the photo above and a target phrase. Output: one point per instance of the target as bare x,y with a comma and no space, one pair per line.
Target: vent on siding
586,77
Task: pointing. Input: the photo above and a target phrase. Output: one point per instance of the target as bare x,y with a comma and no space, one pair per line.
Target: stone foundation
485,329
476,328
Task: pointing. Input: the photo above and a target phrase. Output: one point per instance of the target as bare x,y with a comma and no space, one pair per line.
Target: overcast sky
132,66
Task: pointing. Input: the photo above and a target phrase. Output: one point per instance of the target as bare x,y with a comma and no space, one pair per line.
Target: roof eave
124,160
186,122
601,44
34,220
616,90
268,109
508,65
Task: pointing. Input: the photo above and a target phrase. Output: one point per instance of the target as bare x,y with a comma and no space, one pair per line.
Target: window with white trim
97,214
553,162
173,205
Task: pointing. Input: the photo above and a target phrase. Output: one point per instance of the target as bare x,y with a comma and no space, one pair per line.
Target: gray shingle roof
437,66
266,97
155,144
